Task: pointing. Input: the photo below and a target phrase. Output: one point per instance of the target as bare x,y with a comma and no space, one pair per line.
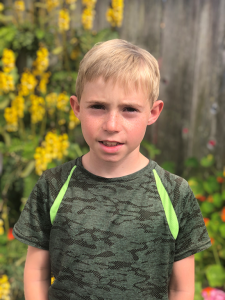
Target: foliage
40,51
208,185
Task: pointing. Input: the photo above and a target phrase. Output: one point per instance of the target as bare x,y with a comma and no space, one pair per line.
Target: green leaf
198,256
169,166
211,185
207,207
207,161
215,275
222,253
222,230
223,195
215,216
39,33
196,186
198,290
16,145
4,103
217,200
214,224
28,169
191,162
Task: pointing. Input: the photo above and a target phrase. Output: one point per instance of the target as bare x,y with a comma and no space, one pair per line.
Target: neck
110,169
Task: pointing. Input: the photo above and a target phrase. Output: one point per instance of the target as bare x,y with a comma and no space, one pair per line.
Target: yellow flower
8,60
89,3
4,288
37,108
61,121
88,18
18,104
62,101
43,82
1,227
28,83
74,121
6,83
52,279
75,53
53,147
51,4
64,20
114,15
71,1
2,7
11,117
19,5
51,101
42,62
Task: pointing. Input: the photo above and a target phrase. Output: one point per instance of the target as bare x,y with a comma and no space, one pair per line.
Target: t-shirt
110,238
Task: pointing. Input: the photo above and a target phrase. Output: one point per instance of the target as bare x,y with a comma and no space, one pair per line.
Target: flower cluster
13,113
19,5
37,108
11,117
18,103
62,102
88,13
8,60
42,62
210,293
43,82
53,147
64,20
2,7
114,15
1,227
28,83
51,101
4,288
6,83
51,4
74,121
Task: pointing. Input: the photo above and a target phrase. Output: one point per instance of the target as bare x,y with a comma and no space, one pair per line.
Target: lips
110,143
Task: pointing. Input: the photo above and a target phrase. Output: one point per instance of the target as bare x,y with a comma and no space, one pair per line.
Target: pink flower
213,294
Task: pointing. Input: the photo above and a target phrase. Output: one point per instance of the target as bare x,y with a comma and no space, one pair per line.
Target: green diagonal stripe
55,206
168,207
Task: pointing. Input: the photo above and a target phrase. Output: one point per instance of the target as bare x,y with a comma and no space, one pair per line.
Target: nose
112,122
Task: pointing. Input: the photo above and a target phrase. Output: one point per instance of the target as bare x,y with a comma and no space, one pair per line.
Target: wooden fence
188,39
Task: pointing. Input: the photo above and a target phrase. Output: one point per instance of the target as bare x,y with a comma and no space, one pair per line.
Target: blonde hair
122,62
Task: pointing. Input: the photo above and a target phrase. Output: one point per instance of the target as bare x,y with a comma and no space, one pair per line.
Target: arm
182,282
37,274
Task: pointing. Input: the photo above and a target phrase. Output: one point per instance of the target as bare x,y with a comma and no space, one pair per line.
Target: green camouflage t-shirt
110,238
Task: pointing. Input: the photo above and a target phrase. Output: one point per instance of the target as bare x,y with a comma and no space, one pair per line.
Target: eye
97,106
130,109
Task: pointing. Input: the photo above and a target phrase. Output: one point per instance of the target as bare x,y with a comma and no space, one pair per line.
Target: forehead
100,86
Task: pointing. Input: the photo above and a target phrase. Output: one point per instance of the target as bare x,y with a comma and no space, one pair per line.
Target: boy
112,224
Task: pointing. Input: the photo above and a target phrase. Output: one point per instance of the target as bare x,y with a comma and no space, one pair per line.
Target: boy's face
114,121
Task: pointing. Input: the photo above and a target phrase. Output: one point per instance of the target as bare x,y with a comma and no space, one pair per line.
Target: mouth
110,144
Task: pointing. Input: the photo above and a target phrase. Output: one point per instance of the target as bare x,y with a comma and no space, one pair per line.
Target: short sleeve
34,225
193,236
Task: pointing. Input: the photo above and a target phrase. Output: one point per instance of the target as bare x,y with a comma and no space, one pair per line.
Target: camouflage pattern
110,238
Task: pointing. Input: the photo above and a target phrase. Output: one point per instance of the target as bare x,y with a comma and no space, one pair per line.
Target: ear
75,105
155,111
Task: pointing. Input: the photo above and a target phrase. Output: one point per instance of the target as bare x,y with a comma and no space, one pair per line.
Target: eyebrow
102,102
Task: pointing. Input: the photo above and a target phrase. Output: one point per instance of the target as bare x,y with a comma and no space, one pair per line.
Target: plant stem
216,256
21,131
43,126
65,52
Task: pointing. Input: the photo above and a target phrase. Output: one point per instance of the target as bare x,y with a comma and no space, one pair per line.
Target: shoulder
52,180
177,187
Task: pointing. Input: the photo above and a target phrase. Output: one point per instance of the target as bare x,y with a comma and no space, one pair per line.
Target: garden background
41,45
